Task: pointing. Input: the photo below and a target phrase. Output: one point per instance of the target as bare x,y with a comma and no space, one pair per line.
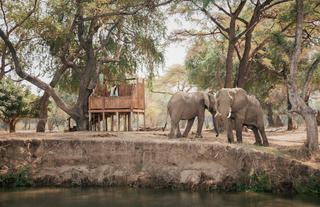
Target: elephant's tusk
229,115
217,114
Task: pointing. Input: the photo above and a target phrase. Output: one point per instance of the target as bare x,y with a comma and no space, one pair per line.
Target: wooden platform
129,102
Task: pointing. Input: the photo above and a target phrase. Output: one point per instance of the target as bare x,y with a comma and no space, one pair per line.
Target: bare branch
308,77
109,60
272,5
229,6
222,9
238,52
162,92
210,17
4,17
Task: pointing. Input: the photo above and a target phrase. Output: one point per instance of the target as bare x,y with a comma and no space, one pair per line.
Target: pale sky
175,52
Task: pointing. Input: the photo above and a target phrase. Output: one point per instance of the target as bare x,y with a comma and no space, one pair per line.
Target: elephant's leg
178,131
189,125
200,125
173,129
257,136
215,124
264,137
239,124
229,131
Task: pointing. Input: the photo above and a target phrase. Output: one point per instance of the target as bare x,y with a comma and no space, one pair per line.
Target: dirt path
276,136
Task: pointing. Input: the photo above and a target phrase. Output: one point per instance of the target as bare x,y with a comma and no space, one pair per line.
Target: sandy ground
276,136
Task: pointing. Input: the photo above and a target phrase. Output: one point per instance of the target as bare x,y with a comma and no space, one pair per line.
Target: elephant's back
181,100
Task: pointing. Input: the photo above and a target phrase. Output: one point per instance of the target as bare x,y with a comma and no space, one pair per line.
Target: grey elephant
188,106
235,104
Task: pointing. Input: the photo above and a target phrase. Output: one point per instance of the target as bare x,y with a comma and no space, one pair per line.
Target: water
129,197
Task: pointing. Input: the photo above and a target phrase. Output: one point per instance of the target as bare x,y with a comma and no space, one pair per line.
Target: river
131,197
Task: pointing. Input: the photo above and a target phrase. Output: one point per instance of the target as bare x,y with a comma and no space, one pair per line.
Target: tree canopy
16,102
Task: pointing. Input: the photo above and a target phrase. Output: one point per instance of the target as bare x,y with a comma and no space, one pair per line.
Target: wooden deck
129,102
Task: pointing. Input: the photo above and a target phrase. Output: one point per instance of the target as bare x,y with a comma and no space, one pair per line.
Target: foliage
205,65
311,186
174,80
16,101
256,183
15,179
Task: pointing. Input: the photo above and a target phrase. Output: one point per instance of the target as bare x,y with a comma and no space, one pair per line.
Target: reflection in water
123,197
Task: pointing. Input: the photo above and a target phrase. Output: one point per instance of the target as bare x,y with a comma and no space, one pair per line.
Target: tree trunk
298,104
44,102
12,125
270,115
229,65
242,71
289,107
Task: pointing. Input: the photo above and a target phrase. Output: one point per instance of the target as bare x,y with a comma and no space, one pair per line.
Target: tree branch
276,3
308,77
162,92
34,80
149,4
210,17
25,18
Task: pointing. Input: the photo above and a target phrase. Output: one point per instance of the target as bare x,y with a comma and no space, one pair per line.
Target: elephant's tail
165,125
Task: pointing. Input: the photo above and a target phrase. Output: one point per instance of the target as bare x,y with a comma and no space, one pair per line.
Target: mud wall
170,164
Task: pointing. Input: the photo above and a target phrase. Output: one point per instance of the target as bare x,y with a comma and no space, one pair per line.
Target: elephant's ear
206,100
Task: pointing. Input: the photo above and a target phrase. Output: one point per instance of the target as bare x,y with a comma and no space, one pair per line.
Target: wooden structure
129,102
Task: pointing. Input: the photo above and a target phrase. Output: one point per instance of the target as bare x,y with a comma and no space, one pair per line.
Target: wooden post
144,120
125,122
137,121
130,121
104,121
94,122
118,118
112,123
99,120
90,121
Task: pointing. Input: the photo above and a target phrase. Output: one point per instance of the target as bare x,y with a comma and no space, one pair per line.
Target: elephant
235,104
187,106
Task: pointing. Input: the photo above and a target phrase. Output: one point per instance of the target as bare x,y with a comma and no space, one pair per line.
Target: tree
234,21
205,65
174,80
16,102
89,36
298,102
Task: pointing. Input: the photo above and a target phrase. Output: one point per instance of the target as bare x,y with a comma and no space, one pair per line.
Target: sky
175,52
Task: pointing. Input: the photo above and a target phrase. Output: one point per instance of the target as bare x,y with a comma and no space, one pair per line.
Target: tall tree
234,21
298,103
85,34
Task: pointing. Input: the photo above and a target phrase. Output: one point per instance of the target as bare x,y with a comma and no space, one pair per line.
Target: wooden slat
118,102
115,110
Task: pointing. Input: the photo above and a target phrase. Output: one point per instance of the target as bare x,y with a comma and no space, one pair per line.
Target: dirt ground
276,136
282,142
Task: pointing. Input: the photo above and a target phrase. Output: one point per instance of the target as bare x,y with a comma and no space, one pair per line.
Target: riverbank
149,159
